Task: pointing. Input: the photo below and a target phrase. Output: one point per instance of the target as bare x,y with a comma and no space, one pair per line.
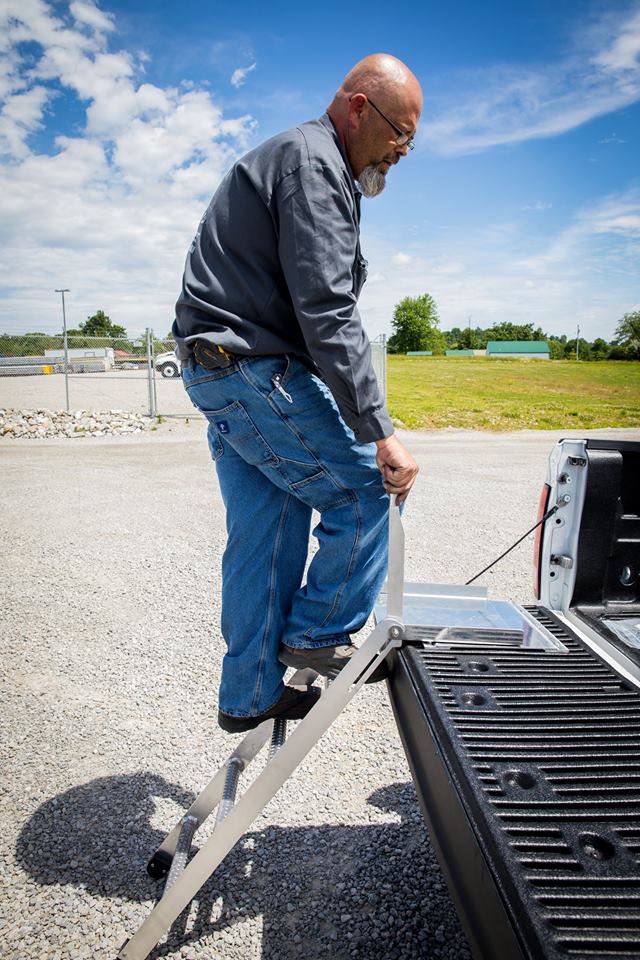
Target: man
274,354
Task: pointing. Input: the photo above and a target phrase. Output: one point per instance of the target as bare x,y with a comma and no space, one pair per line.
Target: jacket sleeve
319,252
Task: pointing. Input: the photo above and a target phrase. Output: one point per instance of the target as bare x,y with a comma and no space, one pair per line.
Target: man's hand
398,468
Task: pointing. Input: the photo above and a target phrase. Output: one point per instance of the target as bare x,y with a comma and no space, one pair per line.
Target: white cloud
510,104
20,116
601,231
538,205
109,211
239,76
401,258
623,53
89,15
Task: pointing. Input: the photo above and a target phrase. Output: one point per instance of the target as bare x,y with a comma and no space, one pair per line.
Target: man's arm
318,239
318,235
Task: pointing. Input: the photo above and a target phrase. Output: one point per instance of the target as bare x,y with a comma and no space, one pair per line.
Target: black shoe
294,704
328,661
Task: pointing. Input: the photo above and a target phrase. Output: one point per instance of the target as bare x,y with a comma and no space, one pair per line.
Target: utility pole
578,343
64,337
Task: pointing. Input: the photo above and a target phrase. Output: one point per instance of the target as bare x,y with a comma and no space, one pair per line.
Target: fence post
150,373
153,374
379,360
65,343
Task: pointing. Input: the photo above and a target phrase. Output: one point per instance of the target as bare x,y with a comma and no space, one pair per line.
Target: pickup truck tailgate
527,768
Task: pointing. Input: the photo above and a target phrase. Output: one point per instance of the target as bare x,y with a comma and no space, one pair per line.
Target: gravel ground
111,655
41,424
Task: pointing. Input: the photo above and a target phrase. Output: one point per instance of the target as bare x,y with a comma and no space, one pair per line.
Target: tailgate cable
550,512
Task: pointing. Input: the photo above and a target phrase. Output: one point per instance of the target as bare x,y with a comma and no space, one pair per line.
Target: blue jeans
281,450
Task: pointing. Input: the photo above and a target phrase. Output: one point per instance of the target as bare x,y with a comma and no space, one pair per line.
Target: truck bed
527,769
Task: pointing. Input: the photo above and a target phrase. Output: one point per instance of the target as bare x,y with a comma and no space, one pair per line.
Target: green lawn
481,394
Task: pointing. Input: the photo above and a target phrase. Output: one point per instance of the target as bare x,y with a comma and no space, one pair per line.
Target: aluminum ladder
233,819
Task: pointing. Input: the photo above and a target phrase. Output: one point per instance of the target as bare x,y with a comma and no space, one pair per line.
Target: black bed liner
527,769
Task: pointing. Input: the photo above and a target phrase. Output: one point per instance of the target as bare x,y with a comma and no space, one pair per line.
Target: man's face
374,143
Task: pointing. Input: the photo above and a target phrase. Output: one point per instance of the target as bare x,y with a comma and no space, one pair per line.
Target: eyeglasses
403,139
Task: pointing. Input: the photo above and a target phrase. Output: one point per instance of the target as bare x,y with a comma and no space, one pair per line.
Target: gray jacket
276,267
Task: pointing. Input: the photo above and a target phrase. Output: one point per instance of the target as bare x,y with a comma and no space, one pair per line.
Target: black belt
211,356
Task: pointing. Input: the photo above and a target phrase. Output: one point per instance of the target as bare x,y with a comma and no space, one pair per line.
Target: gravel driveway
111,657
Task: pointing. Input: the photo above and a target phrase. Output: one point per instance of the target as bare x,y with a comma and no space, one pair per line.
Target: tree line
416,326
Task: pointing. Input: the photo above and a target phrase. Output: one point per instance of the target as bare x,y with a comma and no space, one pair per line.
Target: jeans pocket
320,492
233,425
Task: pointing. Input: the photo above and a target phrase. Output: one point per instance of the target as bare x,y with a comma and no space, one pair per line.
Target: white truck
168,364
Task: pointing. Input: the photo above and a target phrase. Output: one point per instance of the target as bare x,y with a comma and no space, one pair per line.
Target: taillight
537,543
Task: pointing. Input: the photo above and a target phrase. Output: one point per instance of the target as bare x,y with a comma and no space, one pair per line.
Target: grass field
481,394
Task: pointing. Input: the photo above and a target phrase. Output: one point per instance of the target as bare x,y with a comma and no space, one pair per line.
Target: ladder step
188,828
234,769
278,737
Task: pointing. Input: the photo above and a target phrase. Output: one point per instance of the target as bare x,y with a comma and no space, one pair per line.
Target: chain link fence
136,375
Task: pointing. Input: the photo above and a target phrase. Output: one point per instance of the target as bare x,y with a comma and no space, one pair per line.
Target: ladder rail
395,569
384,637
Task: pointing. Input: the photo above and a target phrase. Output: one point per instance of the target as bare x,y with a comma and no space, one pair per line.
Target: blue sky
520,202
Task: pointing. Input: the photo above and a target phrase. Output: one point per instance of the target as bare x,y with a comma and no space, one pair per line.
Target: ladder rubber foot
159,865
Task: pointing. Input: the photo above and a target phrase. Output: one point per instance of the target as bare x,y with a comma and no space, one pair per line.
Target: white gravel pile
42,424
108,677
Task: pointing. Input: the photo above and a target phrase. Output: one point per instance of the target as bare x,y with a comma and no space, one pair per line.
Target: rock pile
42,424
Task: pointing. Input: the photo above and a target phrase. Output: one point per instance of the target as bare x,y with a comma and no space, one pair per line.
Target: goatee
371,181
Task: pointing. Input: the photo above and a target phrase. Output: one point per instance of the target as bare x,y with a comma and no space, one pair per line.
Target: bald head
380,82
380,74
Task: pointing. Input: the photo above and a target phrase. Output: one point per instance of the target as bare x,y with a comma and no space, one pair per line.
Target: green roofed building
529,349
459,353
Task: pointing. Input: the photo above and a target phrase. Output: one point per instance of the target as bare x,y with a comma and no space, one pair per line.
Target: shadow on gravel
97,835
371,891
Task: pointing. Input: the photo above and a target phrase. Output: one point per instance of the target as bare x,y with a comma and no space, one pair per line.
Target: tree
627,334
469,339
556,348
599,349
619,353
515,331
584,349
99,325
452,337
415,324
